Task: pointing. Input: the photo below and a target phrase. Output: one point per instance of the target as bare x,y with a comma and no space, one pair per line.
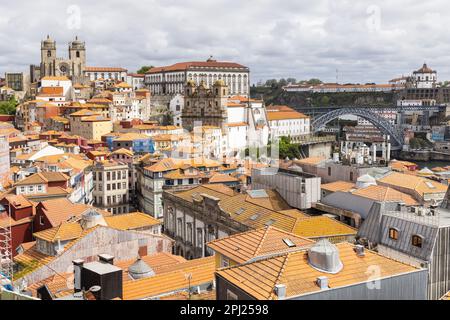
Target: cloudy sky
366,41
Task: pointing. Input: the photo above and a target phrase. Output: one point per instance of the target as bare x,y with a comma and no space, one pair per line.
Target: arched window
78,54
393,233
417,241
49,53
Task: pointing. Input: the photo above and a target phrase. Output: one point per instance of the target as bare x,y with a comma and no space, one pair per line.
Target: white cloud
366,40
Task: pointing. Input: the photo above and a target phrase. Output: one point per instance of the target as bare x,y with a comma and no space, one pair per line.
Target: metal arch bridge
367,113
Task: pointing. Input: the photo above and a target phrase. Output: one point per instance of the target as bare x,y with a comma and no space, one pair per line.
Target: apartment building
111,192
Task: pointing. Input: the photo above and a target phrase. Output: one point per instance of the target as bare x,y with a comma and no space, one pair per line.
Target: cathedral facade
205,106
52,65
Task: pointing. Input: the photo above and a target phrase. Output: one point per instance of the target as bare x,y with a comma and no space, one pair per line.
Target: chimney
106,258
280,291
359,249
322,282
77,266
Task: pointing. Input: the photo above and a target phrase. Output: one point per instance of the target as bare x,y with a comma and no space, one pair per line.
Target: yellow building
90,125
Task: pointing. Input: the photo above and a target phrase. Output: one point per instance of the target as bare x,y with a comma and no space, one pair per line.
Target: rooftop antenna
337,76
6,254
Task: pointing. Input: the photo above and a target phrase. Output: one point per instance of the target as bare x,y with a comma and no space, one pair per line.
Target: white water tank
324,256
365,181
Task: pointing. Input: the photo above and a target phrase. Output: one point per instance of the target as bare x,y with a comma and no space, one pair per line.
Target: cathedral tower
48,57
77,57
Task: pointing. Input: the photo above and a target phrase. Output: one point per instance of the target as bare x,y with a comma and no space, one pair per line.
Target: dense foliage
8,107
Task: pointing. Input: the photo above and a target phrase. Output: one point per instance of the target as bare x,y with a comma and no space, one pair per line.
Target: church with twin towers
72,66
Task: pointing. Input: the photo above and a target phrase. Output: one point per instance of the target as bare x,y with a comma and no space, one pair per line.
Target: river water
432,164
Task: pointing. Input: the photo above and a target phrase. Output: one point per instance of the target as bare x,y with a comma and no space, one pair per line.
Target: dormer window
417,241
393,233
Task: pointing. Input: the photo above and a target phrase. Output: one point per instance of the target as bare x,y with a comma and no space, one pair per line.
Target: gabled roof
43,178
64,232
58,211
418,184
246,246
122,151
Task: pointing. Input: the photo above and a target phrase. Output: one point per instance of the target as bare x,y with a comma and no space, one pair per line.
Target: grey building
416,236
300,190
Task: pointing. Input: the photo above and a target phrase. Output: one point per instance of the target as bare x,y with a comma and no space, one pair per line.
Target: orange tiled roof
258,279
343,186
131,221
285,115
64,232
420,185
195,64
104,69
201,271
243,247
385,194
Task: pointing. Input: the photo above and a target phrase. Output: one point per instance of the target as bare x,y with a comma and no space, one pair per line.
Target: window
417,241
351,176
224,262
329,171
393,233
108,176
231,295
78,54
41,220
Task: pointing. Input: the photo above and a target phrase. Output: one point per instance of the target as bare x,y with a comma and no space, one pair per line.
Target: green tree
144,69
291,80
314,82
8,107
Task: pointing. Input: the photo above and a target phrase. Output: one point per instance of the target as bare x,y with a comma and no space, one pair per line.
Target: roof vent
280,291
322,282
140,270
324,257
359,249
289,243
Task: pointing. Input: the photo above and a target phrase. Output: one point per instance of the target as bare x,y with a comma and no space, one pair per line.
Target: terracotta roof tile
259,278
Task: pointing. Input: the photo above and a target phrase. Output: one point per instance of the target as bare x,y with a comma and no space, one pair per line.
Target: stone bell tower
48,57
77,57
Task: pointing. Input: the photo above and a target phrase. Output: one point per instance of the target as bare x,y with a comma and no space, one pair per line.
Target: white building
389,115
425,78
62,82
176,108
136,80
286,122
171,80
247,123
106,73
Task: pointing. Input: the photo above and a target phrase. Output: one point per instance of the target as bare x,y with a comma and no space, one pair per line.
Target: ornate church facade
52,65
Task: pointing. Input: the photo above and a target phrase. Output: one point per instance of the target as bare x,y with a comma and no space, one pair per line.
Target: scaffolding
6,254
